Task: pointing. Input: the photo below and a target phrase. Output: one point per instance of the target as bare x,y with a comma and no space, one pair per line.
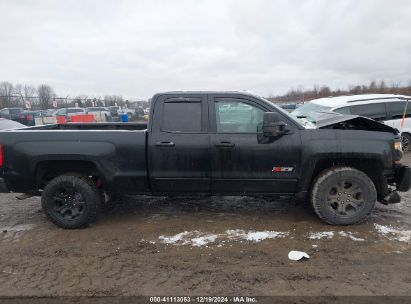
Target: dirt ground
208,246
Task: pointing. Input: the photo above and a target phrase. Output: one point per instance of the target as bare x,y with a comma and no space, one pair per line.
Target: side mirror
272,126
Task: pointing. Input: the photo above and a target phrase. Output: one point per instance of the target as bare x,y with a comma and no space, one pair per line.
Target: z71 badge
282,169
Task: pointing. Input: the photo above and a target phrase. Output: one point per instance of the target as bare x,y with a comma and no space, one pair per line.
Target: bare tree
17,98
6,91
46,95
111,100
373,87
382,87
29,91
82,101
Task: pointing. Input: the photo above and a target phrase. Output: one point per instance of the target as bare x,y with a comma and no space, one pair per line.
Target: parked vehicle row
28,117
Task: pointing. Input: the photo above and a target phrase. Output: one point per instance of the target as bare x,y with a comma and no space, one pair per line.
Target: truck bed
92,126
116,150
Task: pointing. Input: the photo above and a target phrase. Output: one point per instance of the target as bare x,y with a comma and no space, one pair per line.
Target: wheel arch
46,170
373,168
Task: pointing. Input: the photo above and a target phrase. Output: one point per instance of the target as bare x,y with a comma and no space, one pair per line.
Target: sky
138,48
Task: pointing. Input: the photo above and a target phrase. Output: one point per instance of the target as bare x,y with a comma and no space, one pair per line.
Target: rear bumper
403,178
3,186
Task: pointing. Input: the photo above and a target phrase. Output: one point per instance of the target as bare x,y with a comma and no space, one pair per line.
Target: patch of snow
321,235
17,228
193,238
349,235
198,239
204,240
175,238
394,234
256,236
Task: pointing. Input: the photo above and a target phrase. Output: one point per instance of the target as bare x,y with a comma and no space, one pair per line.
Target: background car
130,112
68,112
386,108
100,113
28,117
139,113
289,107
114,110
11,113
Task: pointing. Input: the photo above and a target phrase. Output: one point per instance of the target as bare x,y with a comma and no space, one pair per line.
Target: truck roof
245,92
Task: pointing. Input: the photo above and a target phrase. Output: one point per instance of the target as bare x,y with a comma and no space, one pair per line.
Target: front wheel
343,196
405,142
71,201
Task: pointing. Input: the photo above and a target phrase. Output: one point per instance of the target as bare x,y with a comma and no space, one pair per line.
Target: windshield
305,111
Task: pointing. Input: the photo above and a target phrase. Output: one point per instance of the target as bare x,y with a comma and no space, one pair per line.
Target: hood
333,120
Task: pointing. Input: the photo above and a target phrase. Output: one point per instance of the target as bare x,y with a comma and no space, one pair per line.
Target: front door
179,146
241,162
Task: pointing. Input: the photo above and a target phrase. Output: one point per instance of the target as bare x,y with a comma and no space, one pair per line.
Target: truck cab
211,143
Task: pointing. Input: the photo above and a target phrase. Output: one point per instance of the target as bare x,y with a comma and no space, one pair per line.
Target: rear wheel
343,196
70,201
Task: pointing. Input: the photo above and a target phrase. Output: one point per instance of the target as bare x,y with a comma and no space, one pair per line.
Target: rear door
179,145
396,111
376,111
243,163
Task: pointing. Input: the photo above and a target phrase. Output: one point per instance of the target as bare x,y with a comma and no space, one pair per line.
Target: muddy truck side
208,143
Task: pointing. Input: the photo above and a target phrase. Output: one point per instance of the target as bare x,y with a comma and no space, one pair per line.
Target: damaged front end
398,178
333,120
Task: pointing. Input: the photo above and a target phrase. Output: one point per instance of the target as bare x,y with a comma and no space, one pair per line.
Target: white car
69,112
100,113
386,108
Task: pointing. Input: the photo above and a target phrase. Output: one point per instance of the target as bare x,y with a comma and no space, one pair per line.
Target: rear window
75,111
15,111
182,116
375,111
397,109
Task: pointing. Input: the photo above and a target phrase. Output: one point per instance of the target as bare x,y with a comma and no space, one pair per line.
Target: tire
343,196
406,142
71,202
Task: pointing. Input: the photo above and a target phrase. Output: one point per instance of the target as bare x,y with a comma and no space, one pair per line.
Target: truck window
375,111
237,116
181,117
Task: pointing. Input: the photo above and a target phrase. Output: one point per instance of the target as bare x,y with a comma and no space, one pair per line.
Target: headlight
397,152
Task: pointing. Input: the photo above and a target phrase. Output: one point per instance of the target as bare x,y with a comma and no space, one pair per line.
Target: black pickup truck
208,143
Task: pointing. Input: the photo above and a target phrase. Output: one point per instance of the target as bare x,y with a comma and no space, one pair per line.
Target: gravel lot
207,246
